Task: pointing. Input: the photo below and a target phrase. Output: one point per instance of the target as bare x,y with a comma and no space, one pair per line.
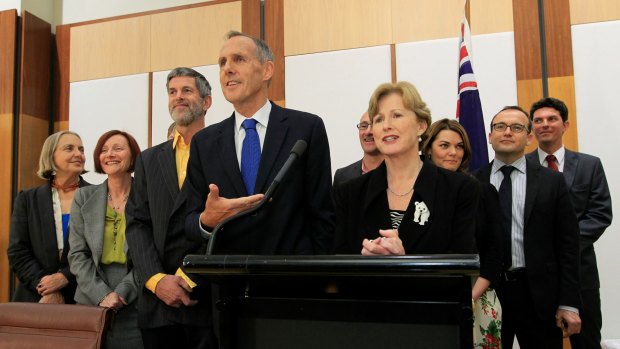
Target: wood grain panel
274,36
32,133
191,37
8,48
114,48
327,25
490,16
590,11
250,17
34,102
418,20
528,92
558,38
61,65
564,88
527,39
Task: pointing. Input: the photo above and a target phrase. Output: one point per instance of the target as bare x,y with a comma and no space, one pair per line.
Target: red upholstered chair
42,326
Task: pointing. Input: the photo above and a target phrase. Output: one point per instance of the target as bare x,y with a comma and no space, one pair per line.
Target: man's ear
268,69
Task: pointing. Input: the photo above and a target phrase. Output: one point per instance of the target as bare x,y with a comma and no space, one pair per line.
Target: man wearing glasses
539,289
372,157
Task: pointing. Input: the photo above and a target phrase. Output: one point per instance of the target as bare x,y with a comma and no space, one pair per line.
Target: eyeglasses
501,127
363,126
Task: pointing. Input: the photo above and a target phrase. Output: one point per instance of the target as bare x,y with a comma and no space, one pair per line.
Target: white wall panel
220,108
596,48
337,86
432,66
98,106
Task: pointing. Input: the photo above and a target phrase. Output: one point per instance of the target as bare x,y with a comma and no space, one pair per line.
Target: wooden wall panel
528,92
327,25
112,48
589,11
34,102
418,20
490,16
527,39
563,87
60,97
8,48
274,36
558,38
191,37
250,17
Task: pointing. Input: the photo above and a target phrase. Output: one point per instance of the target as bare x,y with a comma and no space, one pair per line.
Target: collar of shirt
262,119
179,140
559,155
261,116
519,164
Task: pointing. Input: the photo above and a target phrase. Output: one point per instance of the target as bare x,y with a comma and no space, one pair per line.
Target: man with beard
173,310
372,157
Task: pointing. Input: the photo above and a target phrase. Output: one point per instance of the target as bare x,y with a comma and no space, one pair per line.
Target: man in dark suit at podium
539,290
233,162
372,156
589,194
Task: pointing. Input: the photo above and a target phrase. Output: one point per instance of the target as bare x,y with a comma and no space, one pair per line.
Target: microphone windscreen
299,147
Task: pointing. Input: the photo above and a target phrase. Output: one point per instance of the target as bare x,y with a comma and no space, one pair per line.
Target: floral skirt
487,321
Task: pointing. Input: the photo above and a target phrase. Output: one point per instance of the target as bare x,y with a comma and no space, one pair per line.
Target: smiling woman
99,257
38,243
407,205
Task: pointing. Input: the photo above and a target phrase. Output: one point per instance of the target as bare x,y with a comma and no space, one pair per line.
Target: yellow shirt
113,238
181,151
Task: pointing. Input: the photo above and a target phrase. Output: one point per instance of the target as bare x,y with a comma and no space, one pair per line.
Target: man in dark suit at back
372,156
589,194
174,311
233,162
539,290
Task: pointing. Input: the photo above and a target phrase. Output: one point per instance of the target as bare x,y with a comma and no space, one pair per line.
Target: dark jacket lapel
571,162
228,155
168,166
424,189
274,139
45,207
532,174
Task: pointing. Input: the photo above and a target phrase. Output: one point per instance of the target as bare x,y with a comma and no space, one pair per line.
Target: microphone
298,149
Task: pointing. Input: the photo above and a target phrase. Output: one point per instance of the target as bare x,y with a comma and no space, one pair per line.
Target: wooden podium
299,302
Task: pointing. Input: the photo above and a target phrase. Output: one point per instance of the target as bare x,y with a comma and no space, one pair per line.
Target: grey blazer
86,240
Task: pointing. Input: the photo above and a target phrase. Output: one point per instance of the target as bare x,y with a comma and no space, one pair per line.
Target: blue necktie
250,155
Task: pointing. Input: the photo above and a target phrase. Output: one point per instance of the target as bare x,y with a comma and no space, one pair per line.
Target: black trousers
520,319
179,336
591,322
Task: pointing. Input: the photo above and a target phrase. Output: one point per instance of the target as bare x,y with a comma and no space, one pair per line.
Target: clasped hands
387,244
49,288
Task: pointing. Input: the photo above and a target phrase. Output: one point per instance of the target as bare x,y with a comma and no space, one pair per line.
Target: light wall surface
596,48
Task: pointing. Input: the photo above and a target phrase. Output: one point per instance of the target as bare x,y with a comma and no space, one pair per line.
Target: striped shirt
519,181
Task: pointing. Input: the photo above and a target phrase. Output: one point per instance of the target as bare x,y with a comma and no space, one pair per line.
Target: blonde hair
411,100
47,168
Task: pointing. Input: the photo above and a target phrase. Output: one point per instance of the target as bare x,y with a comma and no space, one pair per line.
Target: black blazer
33,250
452,199
551,240
489,238
349,172
299,218
589,194
155,214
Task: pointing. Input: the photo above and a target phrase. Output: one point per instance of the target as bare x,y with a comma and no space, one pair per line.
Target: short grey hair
47,168
263,52
204,88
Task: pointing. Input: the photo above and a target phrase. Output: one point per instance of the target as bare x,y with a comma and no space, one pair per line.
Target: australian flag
468,107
